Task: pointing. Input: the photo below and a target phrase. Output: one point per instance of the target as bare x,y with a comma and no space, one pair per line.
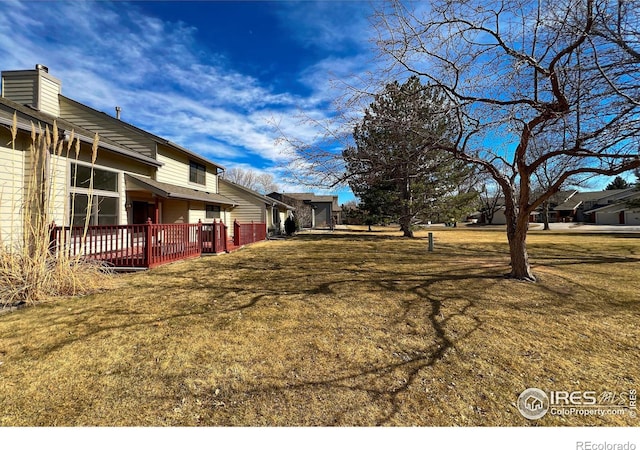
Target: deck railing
146,245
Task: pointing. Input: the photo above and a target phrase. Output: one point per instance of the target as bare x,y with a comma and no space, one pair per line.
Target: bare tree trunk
517,227
545,214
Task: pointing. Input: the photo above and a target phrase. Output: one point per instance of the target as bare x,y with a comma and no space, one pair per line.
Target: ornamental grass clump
31,269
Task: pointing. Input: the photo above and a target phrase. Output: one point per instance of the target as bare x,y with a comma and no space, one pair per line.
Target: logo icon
533,403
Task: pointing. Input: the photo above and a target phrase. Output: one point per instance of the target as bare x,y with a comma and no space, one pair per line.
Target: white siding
197,212
22,90
34,88
48,98
175,170
11,195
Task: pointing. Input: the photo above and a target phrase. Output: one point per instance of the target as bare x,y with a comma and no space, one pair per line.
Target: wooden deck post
199,237
148,243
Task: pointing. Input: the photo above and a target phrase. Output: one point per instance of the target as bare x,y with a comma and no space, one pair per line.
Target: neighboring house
612,209
137,175
256,207
313,211
599,207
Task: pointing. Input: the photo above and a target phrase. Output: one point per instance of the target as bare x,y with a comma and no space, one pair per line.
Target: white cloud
109,54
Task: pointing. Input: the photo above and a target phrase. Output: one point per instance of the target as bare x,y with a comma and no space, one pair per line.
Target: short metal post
430,242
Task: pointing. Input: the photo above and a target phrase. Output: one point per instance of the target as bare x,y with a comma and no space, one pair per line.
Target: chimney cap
42,67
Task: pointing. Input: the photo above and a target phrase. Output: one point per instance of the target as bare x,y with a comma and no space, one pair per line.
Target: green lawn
348,328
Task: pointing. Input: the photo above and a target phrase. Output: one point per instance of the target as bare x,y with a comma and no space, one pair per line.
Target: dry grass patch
339,329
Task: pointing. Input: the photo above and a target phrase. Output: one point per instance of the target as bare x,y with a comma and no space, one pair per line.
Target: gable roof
266,199
125,126
26,116
312,198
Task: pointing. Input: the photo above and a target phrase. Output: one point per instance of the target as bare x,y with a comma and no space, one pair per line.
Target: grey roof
158,139
26,115
266,199
311,197
167,190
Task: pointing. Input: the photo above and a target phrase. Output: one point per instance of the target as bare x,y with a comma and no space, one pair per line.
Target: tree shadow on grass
429,305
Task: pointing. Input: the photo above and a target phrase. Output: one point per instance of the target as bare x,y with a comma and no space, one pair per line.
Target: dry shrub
30,271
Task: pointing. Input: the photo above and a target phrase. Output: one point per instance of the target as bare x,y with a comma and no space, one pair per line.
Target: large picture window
197,173
102,211
104,205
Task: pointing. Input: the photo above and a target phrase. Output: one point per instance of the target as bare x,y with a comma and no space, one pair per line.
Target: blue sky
213,76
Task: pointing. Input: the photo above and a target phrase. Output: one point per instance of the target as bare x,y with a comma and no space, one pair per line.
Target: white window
102,191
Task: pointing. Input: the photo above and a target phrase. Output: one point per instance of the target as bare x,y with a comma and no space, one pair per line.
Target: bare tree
517,72
263,183
490,201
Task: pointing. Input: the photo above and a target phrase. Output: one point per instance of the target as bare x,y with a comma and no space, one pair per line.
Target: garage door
632,218
604,218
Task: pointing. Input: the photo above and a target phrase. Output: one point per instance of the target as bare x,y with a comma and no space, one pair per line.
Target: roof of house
26,116
620,204
167,190
311,197
266,199
160,140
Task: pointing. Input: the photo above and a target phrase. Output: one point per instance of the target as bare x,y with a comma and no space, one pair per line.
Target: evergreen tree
395,166
618,183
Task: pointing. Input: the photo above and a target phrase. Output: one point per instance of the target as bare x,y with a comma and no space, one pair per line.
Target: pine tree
396,154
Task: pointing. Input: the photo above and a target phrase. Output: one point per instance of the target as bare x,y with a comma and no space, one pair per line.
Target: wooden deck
150,245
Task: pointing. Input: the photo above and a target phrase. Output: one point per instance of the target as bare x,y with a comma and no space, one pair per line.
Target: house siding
175,170
11,192
22,90
34,88
48,96
249,209
197,212
175,211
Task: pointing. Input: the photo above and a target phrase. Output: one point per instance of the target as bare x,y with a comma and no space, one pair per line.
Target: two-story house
135,176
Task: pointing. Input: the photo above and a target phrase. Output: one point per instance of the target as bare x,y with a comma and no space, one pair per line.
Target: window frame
213,209
97,194
197,172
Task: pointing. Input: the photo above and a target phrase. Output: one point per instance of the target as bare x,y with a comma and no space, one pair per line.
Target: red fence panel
116,245
248,233
173,242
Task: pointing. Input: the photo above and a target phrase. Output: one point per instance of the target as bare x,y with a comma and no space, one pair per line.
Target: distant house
138,176
607,207
313,211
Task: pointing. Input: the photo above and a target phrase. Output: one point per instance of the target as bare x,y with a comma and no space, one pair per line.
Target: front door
141,211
